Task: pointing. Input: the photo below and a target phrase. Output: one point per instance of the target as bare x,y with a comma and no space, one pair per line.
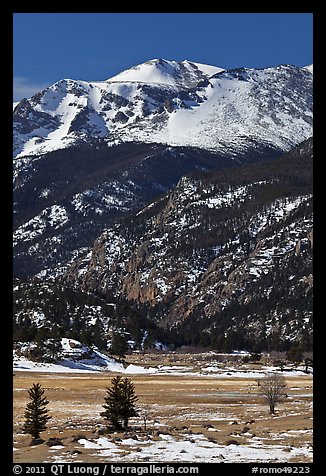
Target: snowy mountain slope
176,103
220,252
309,68
262,105
224,259
161,71
72,357
65,199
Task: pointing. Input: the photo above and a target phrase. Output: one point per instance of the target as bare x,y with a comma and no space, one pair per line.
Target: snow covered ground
189,448
67,366
72,362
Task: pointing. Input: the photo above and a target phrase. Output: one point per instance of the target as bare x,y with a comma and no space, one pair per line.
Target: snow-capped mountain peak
175,103
309,68
161,71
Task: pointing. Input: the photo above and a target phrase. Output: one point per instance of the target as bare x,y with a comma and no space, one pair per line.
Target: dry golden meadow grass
177,404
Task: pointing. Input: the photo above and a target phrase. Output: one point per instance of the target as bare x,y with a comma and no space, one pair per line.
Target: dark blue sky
95,46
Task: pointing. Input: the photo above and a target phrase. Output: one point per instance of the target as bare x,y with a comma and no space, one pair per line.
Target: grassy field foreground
219,413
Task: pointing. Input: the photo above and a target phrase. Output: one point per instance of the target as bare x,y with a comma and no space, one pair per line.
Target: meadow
184,416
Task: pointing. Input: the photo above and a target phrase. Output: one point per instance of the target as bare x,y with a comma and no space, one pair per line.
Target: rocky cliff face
90,187
217,243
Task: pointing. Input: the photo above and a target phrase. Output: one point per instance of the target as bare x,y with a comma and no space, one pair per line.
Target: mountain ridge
162,71
223,260
180,108
209,249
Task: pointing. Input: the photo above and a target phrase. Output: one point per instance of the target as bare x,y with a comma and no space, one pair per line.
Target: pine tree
119,345
53,350
120,402
36,413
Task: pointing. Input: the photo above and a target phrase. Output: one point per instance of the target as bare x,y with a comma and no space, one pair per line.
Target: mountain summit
161,71
175,103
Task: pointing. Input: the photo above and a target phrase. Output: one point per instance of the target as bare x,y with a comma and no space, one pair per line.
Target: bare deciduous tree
272,388
145,415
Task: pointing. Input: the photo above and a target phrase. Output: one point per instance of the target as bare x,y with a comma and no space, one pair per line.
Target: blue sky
95,46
